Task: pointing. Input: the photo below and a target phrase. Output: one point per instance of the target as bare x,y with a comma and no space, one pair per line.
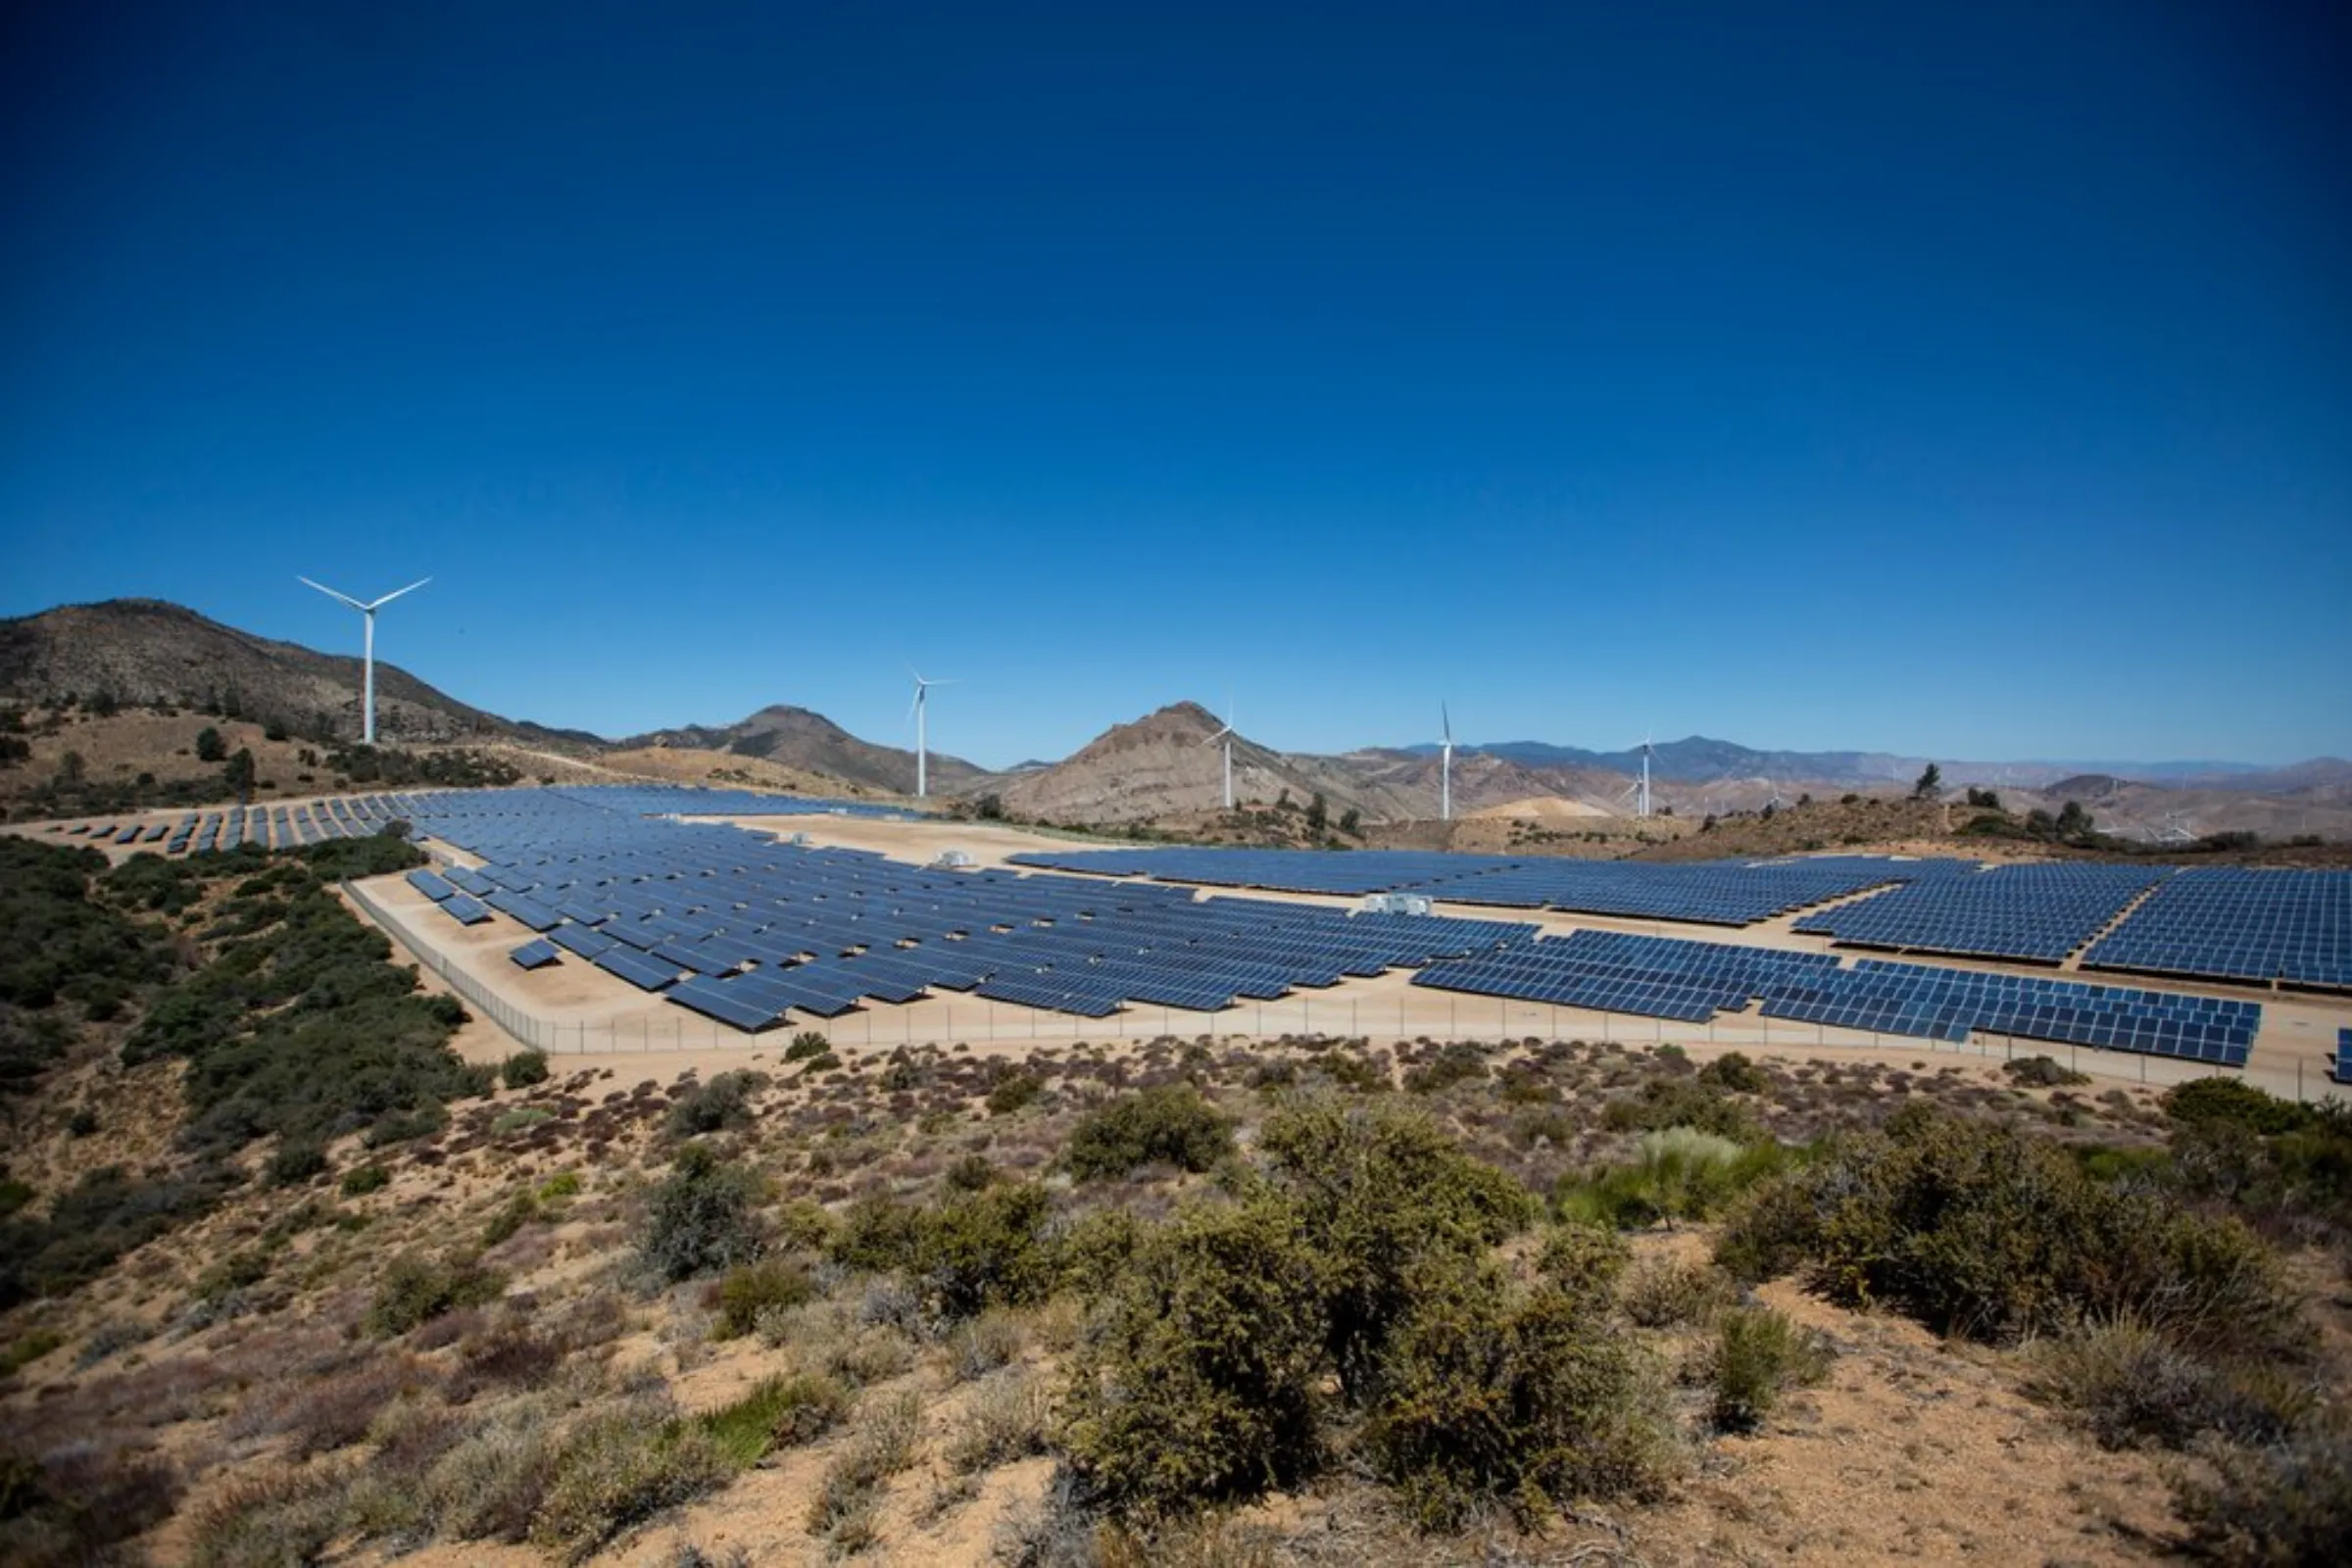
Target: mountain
145,653
795,737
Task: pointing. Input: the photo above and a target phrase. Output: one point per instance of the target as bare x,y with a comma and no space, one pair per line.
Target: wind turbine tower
368,656
1643,809
1225,735
921,711
1446,771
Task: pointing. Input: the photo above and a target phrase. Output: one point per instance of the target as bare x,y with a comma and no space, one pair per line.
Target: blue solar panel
536,955
645,973
465,910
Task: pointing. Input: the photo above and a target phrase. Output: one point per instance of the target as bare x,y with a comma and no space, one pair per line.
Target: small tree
209,746
1930,785
1319,816
239,772
2074,822
1352,824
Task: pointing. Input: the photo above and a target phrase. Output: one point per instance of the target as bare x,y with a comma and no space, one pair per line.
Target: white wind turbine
920,710
1643,808
1445,772
1225,735
367,659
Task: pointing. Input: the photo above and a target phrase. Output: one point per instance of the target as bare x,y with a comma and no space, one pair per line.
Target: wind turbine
1225,735
1446,774
1643,808
367,660
921,709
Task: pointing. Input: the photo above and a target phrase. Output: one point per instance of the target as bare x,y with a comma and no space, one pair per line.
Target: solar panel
537,954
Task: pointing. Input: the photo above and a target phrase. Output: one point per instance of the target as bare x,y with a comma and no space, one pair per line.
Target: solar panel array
1692,982
746,930
1610,971
1717,893
2230,923
2040,912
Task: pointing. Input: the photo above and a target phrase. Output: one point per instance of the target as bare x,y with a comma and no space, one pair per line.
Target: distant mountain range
1699,759
1160,766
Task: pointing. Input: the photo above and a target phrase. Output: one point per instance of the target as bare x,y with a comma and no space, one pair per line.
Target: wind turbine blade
331,593
1447,721
410,589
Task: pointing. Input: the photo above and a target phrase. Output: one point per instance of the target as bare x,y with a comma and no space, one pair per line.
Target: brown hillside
806,743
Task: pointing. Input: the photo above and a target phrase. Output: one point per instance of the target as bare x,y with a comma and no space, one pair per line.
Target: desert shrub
361,1180
1758,1355
2236,1102
1170,1125
755,1288
1665,1293
1676,1174
1014,1092
27,1348
877,1233
335,1412
1090,1250
1521,1397
415,1289
520,1209
80,1503
1982,1231
1008,1419
2133,1388
988,1341
2281,1505
620,1466
969,1173
1375,1190
524,1069
1201,1381
105,1214
780,1412
700,1218
1454,1063
1734,1072
522,1118
986,1249
509,1354
2043,1073
489,1483
805,1044
723,1105
1664,1102
277,1516
880,1444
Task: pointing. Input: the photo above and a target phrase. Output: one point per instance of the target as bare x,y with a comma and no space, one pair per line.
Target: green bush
1014,1092
1735,1074
983,1250
2235,1101
1678,1173
415,1289
1666,1293
780,1412
1664,1102
700,1218
805,1044
723,1105
1376,1188
1521,1397
1168,1125
524,1069
2043,1073
1980,1231
747,1292
1202,1379
292,1163
1454,1063
361,1180
1757,1355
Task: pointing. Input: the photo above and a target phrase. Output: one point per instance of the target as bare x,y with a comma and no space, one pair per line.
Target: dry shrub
780,1412
337,1412
506,1355
488,1485
270,1517
618,1468
880,1445
1666,1293
78,1504
988,1341
1008,1419
2282,1505
2132,1387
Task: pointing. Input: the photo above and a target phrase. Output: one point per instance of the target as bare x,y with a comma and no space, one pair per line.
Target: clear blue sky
1970,381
